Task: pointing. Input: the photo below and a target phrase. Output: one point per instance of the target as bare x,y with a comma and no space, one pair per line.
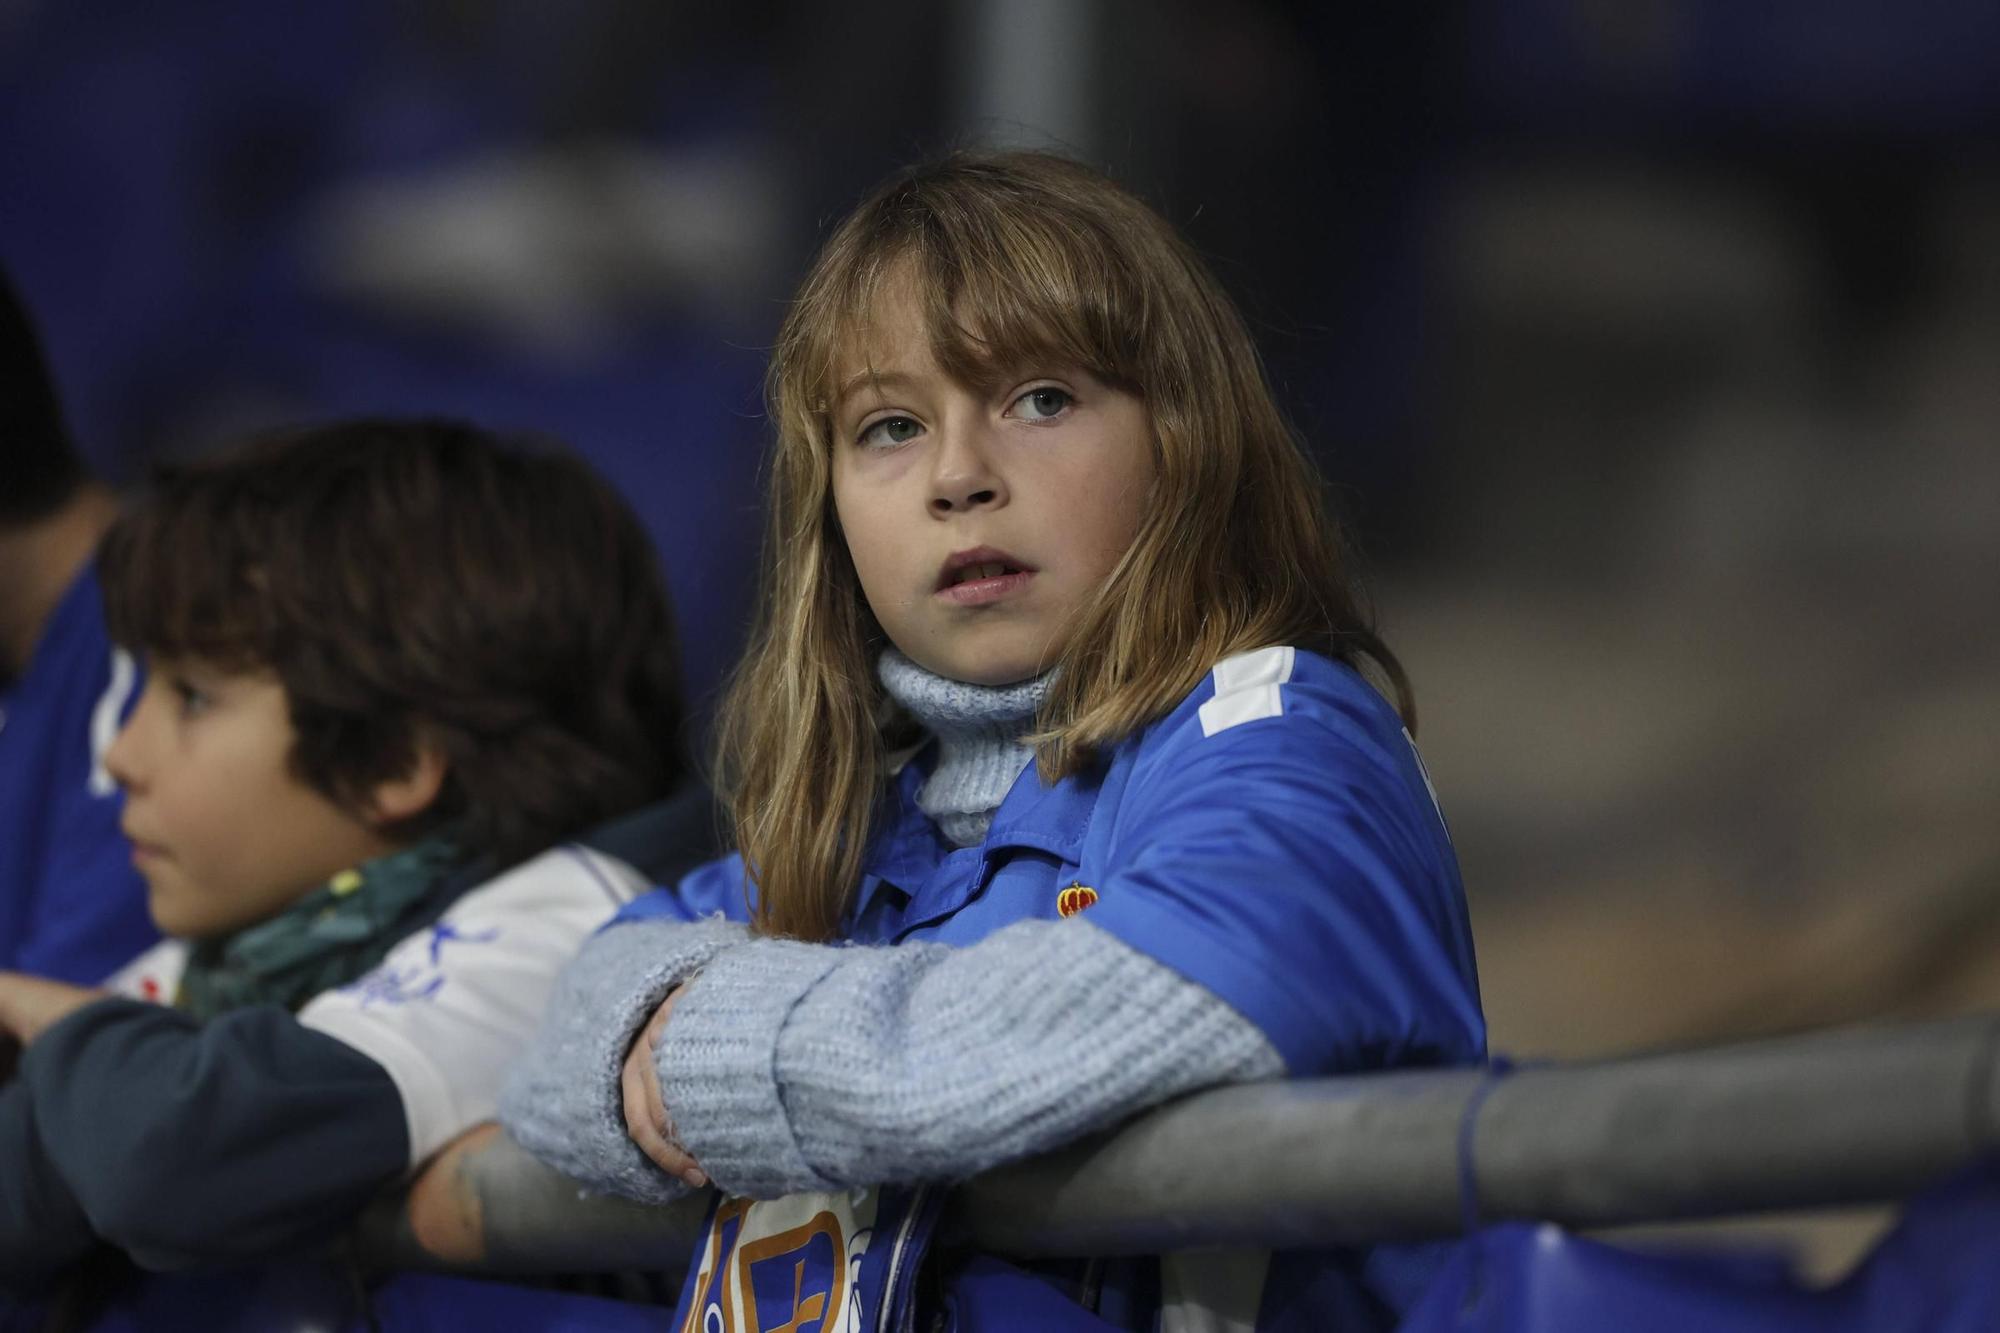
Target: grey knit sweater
790,1067
978,730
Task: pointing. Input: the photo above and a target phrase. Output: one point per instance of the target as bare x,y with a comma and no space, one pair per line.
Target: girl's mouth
980,575
991,569
979,587
977,564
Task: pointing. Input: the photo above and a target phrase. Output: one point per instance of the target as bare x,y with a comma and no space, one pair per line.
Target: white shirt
449,1008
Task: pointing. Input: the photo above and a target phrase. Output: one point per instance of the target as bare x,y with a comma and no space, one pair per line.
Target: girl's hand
30,1006
646,1110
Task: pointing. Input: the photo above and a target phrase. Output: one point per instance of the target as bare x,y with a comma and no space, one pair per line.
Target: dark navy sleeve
187,1143
43,1229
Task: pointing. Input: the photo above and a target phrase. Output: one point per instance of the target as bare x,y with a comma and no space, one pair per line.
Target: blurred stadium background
1653,347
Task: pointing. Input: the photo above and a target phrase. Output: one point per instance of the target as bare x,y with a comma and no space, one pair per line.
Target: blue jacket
1274,839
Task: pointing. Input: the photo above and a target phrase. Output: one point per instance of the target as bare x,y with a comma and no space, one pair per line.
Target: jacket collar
907,850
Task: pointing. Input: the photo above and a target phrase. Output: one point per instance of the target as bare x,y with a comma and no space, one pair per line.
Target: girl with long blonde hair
1058,782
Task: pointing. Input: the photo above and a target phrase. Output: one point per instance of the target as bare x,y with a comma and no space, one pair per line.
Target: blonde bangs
991,303
1017,299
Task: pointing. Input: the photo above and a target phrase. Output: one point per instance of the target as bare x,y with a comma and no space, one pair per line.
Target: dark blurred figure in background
233,217
71,905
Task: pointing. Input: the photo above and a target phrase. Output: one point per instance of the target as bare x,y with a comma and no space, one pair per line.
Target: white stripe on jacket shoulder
1246,688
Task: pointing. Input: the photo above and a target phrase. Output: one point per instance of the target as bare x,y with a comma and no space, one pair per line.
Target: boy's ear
411,792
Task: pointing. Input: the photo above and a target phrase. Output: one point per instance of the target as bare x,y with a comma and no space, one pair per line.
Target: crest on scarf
806,1263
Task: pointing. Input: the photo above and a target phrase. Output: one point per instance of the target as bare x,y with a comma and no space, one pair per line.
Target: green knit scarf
326,939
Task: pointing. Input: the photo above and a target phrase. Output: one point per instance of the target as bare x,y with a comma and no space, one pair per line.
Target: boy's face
225,833
981,521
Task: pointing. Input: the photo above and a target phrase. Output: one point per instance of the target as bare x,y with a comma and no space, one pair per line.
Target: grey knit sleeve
790,1067
562,1100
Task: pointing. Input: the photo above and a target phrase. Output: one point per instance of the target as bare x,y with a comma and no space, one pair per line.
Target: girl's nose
962,476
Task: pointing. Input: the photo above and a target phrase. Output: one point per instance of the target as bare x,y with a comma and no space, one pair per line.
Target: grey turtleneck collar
979,730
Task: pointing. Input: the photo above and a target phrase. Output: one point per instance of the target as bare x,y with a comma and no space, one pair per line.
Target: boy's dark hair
406,578
39,466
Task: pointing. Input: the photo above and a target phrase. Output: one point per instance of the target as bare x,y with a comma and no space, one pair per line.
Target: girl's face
223,831
981,522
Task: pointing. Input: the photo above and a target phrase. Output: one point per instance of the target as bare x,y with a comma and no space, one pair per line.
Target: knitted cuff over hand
563,1100
717,1067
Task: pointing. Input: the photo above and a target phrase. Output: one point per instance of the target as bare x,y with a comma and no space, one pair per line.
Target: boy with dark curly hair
391,667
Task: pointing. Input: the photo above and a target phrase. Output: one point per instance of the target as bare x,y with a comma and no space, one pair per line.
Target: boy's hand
30,1006
443,1208
646,1110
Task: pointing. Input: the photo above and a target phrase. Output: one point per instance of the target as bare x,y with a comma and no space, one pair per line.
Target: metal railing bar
1825,1119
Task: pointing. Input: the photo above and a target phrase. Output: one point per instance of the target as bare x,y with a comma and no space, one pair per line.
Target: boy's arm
442,1209
259,1131
30,1005
189,1144
43,1229
483,1203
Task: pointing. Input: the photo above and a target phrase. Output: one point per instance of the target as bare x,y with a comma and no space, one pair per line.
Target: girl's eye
889,432
1042,404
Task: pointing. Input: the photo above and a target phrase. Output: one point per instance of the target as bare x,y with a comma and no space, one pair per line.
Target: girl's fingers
644,1123
656,1027
655,1110
646,1118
